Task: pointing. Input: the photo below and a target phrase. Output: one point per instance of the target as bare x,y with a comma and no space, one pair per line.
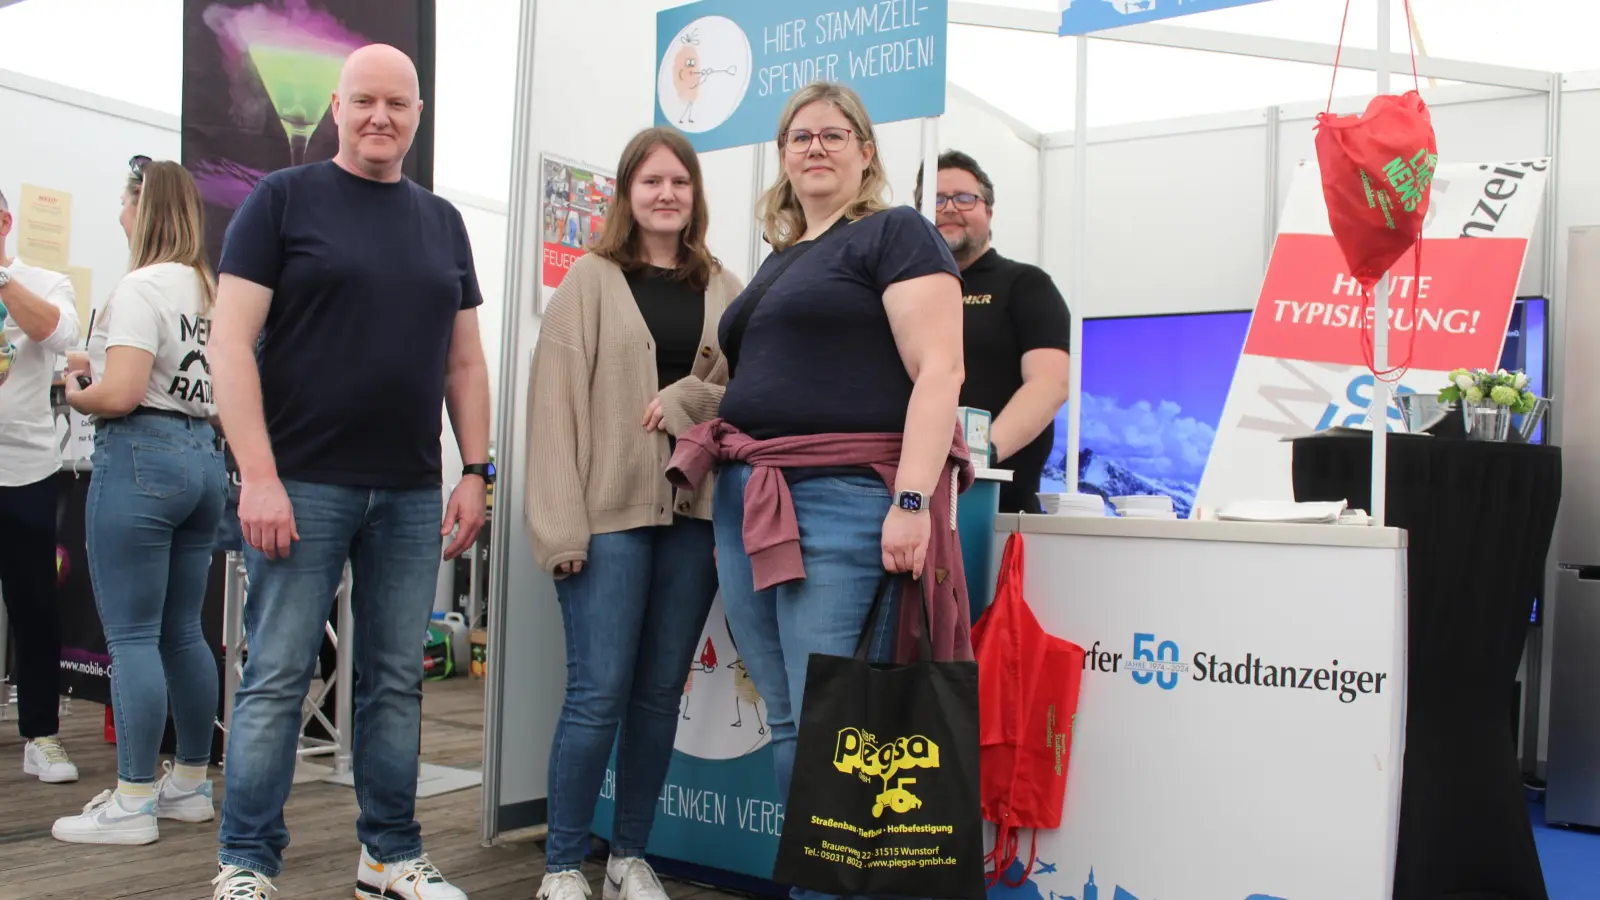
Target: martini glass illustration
300,83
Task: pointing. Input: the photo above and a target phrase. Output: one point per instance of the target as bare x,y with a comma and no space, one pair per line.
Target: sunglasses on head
136,166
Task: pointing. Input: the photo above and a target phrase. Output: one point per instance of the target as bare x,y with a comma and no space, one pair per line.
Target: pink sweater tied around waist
772,533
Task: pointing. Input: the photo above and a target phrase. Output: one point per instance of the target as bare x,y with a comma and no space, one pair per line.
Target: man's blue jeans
391,539
154,503
633,618
841,540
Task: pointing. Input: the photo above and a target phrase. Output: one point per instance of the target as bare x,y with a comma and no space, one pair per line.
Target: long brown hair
619,241
783,221
170,225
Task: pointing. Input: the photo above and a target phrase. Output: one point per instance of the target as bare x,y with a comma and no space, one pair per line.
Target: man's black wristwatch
482,470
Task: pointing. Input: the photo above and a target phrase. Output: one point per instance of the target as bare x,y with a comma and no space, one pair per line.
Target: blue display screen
1154,388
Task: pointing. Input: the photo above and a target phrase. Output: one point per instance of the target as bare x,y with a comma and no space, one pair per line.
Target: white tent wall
68,140
73,141
1197,190
590,119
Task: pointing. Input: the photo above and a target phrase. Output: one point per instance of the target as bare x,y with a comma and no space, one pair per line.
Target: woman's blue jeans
155,501
633,619
777,630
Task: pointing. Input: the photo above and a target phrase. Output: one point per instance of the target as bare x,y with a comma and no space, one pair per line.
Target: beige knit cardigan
592,468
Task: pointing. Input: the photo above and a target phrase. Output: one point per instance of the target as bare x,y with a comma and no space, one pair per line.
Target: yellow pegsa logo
861,754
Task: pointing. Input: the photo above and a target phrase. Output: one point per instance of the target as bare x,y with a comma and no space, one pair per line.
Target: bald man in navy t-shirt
361,289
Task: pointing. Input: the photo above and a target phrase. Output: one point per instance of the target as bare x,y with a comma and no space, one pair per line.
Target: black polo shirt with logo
1012,308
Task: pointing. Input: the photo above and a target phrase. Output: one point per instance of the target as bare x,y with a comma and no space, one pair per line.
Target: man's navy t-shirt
367,279
818,355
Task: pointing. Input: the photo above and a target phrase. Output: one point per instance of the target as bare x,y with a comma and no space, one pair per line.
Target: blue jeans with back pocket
155,500
777,630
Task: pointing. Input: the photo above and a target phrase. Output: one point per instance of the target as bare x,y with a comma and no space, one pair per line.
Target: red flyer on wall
1304,365
576,199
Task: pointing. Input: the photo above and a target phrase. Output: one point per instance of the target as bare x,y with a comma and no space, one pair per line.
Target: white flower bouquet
1480,387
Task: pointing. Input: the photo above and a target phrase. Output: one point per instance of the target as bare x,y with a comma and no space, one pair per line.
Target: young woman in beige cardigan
627,359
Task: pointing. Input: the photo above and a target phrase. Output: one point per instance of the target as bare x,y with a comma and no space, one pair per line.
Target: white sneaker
180,805
631,878
234,883
110,818
413,879
570,885
47,760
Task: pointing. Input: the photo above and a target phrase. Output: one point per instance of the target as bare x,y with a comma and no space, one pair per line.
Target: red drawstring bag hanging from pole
1377,177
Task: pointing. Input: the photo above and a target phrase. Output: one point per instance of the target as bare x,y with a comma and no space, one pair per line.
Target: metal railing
337,684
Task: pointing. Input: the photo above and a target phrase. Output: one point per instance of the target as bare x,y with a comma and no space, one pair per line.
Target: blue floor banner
720,807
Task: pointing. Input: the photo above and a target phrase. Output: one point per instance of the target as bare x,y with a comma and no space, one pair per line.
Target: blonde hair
169,226
783,221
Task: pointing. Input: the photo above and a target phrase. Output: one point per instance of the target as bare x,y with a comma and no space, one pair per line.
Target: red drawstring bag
1377,175
1377,178
1028,685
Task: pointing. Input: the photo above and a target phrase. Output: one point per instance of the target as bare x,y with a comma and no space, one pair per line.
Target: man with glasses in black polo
1018,334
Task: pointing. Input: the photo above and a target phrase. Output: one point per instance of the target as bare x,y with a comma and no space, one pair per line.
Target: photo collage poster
576,198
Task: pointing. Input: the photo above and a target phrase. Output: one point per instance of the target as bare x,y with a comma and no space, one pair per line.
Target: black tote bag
885,796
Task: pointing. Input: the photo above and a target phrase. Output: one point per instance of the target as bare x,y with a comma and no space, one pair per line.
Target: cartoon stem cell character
688,687
744,691
690,73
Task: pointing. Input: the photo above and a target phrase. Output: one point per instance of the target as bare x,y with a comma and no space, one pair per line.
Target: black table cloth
1480,517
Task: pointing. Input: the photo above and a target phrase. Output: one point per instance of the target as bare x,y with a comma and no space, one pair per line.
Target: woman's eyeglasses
833,140
136,167
964,202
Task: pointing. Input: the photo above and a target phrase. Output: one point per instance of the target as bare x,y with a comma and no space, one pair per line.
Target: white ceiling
133,53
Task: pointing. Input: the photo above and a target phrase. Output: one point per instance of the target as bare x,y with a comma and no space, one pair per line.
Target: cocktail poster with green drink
259,78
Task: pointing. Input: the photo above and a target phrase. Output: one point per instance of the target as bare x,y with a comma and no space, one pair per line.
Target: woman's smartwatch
911,501
482,470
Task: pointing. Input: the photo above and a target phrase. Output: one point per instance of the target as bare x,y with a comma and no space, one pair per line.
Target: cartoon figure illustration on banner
692,73
689,96
705,664
744,691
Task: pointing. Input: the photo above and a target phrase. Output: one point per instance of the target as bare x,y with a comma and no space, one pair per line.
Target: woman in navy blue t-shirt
859,335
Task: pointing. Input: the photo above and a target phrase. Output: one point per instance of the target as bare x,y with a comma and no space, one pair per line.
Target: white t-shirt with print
160,309
28,450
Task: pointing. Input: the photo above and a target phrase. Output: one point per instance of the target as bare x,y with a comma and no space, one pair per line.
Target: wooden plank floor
321,860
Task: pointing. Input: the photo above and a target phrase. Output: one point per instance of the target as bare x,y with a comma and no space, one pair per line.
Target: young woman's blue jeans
155,500
841,539
633,618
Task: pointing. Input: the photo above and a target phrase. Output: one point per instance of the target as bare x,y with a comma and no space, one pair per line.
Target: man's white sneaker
234,883
110,818
47,760
412,879
569,885
631,878
180,805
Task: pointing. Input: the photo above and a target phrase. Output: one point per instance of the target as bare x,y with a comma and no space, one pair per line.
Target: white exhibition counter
1240,730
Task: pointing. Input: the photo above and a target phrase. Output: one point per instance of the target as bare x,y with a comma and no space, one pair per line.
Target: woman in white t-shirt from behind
155,502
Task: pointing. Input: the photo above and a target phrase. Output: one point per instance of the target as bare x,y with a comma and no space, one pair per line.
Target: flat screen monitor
1154,388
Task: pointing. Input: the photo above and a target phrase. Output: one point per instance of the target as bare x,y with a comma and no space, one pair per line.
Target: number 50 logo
1156,662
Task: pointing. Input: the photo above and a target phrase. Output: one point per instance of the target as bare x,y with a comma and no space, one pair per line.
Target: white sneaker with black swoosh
110,818
412,879
631,878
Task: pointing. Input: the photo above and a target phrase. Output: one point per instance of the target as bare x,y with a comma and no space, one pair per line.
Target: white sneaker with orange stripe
412,879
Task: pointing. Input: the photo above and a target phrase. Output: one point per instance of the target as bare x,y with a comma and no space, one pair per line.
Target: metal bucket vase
1531,419
1487,422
